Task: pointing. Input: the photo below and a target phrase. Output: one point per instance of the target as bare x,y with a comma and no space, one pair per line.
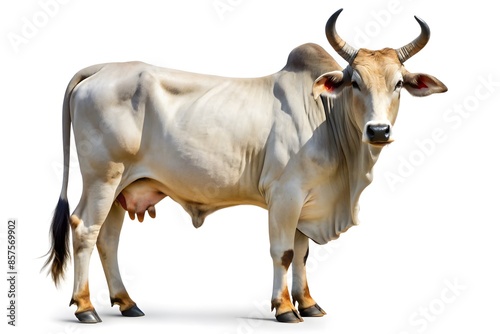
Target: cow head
376,79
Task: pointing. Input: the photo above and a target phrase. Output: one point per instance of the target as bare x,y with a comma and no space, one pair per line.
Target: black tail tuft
59,233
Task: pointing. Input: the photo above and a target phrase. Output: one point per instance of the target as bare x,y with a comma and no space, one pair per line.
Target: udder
139,197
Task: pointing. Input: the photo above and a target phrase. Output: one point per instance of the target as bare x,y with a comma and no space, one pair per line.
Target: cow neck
355,158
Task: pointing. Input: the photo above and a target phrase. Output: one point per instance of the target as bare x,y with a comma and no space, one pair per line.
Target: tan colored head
376,79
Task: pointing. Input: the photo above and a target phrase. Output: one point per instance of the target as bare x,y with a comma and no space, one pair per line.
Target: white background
432,226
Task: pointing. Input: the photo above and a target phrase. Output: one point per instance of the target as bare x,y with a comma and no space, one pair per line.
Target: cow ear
330,83
420,84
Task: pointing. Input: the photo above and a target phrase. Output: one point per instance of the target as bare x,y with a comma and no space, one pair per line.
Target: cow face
375,80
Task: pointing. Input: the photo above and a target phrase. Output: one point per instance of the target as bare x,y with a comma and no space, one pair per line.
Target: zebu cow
301,143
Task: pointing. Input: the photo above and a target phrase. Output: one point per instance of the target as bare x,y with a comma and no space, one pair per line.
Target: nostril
370,132
378,133
387,132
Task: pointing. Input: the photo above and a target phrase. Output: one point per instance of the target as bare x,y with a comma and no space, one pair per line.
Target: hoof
134,311
88,317
290,317
312,311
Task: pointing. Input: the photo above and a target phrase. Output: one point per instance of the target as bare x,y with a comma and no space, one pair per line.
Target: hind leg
107,245
86,223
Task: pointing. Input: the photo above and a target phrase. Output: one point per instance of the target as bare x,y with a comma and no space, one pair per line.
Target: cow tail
59,253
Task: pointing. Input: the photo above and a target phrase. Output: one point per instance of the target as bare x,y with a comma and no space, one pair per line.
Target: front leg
283,220
300,290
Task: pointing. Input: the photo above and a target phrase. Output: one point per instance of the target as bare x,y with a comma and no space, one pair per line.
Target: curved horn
343,49
407,51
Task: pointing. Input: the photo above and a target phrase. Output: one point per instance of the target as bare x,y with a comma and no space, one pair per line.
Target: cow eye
355,85
399,85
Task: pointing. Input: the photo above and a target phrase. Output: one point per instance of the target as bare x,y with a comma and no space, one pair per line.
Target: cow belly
139,197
